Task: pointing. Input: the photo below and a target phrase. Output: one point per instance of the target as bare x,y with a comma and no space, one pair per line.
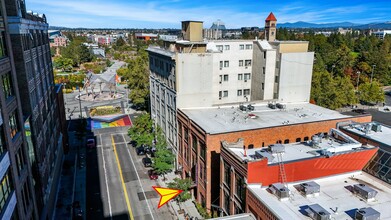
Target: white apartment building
381,34
194,73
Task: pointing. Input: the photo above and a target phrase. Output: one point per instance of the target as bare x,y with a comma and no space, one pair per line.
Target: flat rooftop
161,51
228,119
367,130
243,216
304,150
335,192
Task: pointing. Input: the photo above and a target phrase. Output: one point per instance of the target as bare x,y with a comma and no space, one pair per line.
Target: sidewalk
188,206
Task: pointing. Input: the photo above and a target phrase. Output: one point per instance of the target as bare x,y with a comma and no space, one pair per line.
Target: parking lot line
122,180
107,185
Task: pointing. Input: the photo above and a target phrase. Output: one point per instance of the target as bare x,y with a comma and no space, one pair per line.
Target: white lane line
138,177
107,185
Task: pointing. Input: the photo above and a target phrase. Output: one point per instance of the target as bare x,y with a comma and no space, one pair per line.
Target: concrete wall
293,47
194,80
295,77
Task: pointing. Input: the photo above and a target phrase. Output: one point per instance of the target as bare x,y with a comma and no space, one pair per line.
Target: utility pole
373,68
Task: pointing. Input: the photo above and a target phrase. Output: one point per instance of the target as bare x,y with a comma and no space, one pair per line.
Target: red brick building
201,131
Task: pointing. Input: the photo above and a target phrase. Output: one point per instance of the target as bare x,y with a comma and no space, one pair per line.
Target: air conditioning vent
279,190
367,214
308,188
364,191
376,128
317,212
277,148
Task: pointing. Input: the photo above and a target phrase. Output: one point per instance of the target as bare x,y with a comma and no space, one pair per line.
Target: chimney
192,30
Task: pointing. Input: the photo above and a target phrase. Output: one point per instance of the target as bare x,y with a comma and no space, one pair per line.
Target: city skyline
168,13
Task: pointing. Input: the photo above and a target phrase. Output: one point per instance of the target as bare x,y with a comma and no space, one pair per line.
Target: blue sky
235,13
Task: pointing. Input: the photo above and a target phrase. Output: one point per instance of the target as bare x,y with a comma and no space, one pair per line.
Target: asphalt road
118,186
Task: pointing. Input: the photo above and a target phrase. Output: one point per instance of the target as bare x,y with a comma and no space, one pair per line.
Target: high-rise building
42,116
17,199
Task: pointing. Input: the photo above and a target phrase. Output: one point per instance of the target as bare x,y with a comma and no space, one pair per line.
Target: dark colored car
140,150
91,143
147,161
153,175
133,143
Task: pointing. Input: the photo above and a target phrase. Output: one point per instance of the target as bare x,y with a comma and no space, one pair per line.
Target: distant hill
302,24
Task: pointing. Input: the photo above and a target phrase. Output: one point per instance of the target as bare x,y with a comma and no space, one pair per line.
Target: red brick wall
257,208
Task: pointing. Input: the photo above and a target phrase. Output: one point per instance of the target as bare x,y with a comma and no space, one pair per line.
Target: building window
7,86
3,147
263,70
246,92
247,63
221,64
13,123
298,139
286,141
247,76
226,47
240,62
305,138
226,63
180,129
202,151
5,190
3,47
226,77
226,202
238,210
186,135
227,175
194,143
263,86
240,92
241,47
250,146
220,47
249,46
240,76
26,196
276,79
202,171
264,55
220,94
240,191
225,93
20,160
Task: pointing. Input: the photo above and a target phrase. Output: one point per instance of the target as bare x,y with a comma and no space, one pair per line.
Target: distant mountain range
302,24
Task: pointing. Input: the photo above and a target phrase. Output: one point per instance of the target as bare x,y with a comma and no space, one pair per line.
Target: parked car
140,150
133,143
91,143
153,175
147,161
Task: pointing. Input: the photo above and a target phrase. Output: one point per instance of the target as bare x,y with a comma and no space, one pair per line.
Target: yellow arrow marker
166,194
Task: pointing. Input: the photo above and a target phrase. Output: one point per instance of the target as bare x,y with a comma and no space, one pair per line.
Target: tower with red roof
271,27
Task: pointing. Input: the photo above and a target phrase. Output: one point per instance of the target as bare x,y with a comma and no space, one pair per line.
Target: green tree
62,63
164,158
371,92
138,80
184,185
141,131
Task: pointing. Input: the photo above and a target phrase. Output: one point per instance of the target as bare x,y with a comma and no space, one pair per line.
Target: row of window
241,47
225,77
225,63
240,92
5,190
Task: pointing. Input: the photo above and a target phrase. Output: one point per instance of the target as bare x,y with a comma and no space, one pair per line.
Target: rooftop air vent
279,190
277,148
364,191
316,140
376,128
309,188
272,105
317,212
242,108
367,214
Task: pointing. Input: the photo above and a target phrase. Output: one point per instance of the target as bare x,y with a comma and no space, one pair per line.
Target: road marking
122,180
138,177
107,185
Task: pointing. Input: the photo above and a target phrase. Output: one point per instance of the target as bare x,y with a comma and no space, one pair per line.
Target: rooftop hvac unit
250,107
365,191
263,154
242,108
279,190
272,106
316,140
277,148
367,214
376,128
309,188
317,212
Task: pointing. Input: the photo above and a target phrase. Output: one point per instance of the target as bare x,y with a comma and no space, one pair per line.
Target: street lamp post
332,69
373,68
358,78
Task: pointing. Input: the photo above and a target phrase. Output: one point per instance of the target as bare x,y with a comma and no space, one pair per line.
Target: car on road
153,175
91,143
140,150
147,162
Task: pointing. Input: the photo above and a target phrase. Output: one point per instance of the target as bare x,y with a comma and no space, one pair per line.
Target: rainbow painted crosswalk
124,121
